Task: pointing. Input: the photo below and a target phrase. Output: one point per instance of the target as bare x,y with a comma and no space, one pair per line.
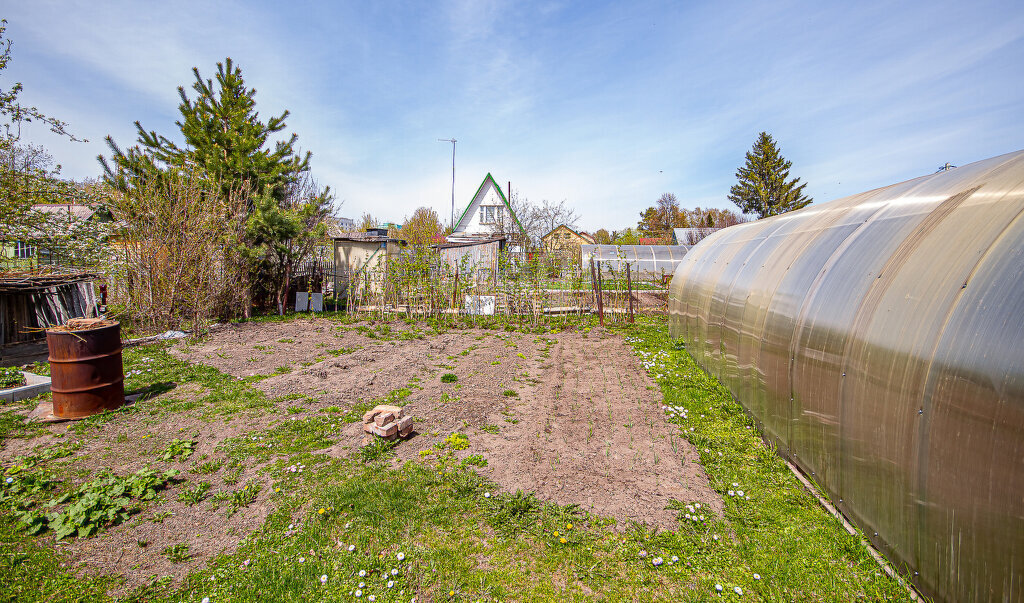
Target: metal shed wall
879,340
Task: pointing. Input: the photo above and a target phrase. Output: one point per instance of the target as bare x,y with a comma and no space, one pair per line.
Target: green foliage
476,460
763,187
449,378
11,377
378,449
194,495
177,449
105,500
244,496
457,441
177,553
490,429
510,514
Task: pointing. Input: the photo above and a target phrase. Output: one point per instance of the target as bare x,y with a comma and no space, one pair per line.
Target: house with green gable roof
488,215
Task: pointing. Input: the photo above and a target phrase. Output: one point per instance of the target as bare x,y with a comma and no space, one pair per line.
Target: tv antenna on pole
453,141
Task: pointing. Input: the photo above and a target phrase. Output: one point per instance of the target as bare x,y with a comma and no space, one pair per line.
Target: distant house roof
651,241
366,237
80,211
587,238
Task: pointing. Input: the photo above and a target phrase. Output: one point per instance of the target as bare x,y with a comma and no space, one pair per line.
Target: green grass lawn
358,529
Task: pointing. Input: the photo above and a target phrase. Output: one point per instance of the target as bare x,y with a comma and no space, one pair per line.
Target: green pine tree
763,187
223,136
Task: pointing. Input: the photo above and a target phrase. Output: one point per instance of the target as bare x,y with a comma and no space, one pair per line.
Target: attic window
489,213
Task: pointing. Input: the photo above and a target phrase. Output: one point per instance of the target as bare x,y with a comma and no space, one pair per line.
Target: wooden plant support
629,292
595,278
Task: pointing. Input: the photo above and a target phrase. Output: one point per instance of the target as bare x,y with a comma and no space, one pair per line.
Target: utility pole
453,141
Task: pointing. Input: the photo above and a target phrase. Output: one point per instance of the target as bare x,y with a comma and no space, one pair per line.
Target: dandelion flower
568,526
562,540
556,532
400,556
738,590
322,511
323,579
451,593
718,587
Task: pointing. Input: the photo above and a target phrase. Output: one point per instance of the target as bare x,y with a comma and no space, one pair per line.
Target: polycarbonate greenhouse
879,341
648,260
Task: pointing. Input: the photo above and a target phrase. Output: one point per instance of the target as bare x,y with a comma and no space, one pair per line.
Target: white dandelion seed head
715,537
206,600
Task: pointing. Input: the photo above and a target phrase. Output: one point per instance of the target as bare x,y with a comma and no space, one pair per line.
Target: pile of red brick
387,422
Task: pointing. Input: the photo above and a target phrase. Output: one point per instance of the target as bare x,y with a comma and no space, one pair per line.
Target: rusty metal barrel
86,370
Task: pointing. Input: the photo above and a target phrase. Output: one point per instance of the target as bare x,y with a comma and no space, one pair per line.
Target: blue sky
606,106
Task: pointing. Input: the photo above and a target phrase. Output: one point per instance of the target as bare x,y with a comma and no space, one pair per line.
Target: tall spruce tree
763,186
223,136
